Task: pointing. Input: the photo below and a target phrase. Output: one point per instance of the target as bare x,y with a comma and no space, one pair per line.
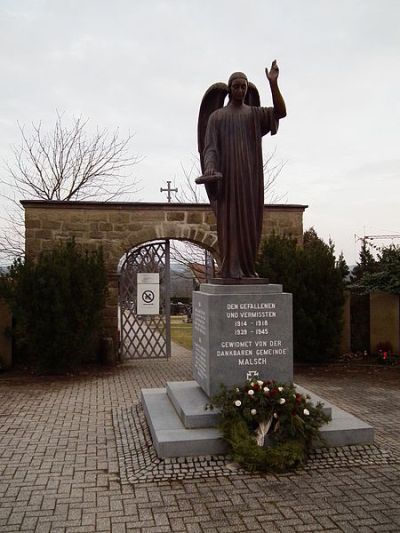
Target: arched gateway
120,227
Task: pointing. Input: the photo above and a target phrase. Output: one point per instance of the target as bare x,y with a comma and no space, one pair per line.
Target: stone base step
346,430
176,416
190,402
170,437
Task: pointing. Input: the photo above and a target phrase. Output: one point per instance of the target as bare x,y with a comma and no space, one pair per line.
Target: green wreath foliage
269,426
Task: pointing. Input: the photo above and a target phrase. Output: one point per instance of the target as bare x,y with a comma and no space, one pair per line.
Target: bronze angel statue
229,142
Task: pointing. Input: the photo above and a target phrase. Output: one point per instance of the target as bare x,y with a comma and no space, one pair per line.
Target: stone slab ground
76,456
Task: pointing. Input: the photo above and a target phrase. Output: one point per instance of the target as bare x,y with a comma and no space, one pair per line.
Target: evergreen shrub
315,279
57,303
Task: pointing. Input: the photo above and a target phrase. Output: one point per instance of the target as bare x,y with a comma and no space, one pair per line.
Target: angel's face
238,90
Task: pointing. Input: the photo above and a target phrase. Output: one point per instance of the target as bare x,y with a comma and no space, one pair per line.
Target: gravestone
241,332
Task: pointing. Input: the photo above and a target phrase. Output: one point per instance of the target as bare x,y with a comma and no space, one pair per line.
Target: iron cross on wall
169,190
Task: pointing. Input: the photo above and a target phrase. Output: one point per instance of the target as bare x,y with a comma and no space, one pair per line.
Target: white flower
306,412
280,389
266,389
275,415
238,403
253,412
282,401
250,392
237,390
260,382
294,396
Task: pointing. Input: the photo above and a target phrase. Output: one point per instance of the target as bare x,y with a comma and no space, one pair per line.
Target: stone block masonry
118,227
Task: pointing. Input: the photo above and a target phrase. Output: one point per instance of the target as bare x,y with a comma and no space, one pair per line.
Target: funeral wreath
269,426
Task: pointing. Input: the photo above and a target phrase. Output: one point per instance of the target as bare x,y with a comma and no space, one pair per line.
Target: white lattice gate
145,336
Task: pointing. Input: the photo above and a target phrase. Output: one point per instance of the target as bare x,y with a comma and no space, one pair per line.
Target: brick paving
74,458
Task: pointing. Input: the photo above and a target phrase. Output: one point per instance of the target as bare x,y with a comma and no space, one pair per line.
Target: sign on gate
148,293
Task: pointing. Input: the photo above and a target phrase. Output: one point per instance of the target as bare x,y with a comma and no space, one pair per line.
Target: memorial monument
242,327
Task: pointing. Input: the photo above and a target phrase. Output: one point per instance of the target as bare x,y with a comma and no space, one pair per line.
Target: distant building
181,281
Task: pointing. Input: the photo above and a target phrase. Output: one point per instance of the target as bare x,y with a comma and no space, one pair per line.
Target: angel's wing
252,96
213,99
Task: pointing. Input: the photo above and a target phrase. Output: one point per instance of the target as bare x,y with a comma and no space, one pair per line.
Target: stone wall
119,227
5,336
384,320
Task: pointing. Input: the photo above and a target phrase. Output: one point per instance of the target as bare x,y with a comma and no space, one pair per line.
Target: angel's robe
233,147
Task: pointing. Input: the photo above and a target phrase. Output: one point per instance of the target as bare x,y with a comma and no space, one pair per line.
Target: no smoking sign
148,294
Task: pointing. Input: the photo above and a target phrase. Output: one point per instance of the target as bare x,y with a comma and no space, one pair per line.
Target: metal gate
145,336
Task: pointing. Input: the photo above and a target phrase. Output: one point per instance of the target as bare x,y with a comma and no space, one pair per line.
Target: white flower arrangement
271,416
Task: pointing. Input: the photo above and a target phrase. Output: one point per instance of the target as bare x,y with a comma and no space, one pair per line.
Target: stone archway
119,227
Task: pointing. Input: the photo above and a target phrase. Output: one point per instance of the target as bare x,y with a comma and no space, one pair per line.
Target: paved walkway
66,461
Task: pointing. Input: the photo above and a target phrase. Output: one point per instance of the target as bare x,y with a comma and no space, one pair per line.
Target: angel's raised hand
273,73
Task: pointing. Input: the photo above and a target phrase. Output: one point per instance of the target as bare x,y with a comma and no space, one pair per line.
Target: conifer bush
315,279
57,303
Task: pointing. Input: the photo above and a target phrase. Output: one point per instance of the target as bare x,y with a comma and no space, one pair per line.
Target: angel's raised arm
277,98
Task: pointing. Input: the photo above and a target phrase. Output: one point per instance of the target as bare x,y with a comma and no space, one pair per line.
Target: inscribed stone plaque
240,332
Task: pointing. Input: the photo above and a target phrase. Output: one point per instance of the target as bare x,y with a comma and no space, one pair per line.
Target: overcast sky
143,66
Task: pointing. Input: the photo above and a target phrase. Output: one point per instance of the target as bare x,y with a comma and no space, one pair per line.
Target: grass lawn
181,332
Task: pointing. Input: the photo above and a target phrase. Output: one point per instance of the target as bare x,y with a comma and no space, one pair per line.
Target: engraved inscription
199,321
253,324
200,361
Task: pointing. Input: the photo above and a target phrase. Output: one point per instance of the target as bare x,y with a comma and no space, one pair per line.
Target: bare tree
199,261
191,193
67,163
188,191
272,170
187,253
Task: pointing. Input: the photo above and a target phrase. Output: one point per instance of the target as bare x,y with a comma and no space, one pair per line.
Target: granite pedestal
241,332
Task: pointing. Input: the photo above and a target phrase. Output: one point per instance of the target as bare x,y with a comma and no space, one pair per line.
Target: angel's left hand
273,73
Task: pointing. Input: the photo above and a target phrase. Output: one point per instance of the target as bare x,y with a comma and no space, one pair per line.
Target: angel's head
237,86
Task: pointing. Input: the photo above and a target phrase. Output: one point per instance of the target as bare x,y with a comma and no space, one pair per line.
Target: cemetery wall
119,227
